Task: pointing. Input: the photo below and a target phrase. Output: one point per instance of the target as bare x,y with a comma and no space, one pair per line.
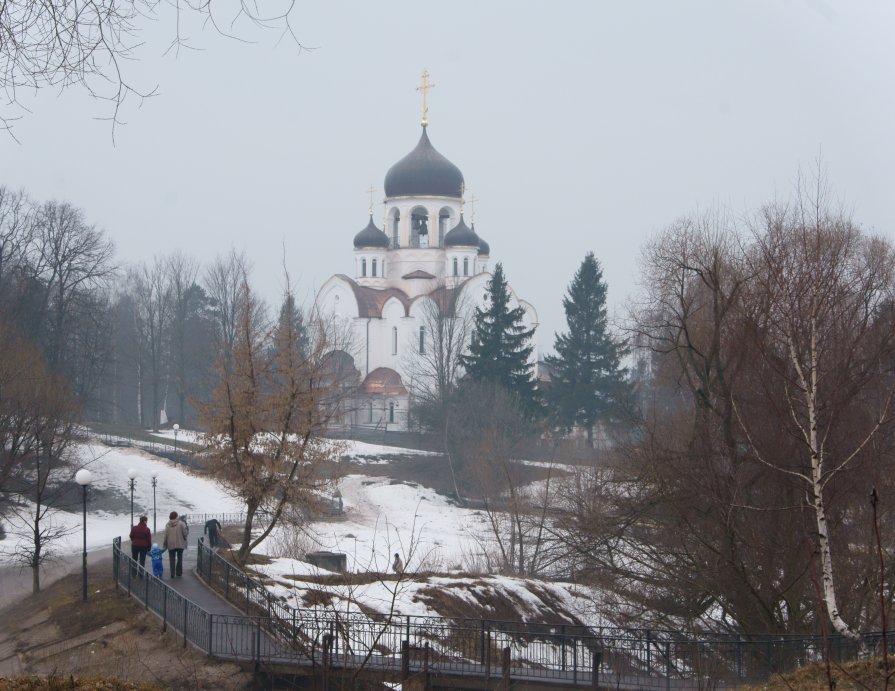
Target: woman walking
176,533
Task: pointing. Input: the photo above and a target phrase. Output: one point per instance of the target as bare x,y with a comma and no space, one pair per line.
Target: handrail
546,650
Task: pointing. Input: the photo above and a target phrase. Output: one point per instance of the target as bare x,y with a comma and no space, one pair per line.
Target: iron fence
647,658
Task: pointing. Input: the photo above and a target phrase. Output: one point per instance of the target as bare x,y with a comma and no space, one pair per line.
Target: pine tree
589,380
500,346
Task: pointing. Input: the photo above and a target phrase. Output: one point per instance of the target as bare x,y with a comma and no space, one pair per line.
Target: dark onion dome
424,173
371,236
484,247
461,235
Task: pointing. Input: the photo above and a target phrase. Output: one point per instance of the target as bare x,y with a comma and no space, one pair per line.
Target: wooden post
426,680
595,673
505,683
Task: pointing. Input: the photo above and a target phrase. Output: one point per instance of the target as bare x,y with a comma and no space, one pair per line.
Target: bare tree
182,273
268,415
821,285
150,295
225,285
433,362
37,429
49,43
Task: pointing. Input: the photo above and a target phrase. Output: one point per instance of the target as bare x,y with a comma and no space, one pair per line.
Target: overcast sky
580,126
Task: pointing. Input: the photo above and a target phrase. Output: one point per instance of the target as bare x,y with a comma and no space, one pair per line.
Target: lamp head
176,427
132,473
83,477
154,474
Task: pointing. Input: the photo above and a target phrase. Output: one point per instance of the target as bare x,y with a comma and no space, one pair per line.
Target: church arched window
422,339
391,411
363,268
419,227
466,266
395,223
394,340
444,224
456,272
374,268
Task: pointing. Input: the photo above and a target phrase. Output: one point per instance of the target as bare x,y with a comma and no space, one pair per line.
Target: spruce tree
589,380
500,346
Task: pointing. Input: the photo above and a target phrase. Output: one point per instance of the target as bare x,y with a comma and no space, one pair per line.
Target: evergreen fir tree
589,380
500,345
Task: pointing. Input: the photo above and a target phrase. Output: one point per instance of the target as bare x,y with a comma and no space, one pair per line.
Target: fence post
130,574
258,642
482,645
426,677
185,604
667,664
505,662
227,586
164,608
562,647
210,634
146,597
574,659
405,660
595,673
488,653
649,653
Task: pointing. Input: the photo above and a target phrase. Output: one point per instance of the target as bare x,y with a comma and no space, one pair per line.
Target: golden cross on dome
424,87
472,200
370,191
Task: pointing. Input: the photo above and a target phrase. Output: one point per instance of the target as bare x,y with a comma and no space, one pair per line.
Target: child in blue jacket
158,564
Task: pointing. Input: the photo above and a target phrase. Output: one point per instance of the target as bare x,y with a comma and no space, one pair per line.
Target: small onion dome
424,173
371,236
484,248
461,235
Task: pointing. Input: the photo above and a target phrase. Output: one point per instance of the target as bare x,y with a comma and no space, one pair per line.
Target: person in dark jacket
212,528
141,541
176,533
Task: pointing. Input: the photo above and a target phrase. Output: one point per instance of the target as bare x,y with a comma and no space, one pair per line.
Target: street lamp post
154,483
84,477
176,429
132,482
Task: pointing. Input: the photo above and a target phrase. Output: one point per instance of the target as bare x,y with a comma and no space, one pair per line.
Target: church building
425,257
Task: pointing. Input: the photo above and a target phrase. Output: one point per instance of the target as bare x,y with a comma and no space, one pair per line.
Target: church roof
370,301
418,274
383,381
424,173
461,235
371,236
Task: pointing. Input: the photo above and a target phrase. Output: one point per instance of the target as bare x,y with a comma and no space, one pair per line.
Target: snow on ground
108,498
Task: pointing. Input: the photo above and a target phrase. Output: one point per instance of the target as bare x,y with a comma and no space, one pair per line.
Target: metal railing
646,658
272,632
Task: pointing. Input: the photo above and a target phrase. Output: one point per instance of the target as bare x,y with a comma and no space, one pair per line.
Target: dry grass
71,683
866,675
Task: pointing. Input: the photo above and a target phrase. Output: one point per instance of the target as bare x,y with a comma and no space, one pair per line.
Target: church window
391,411
466,266
363,268
422,339
374,268
455,267
444,222
383,268
419,227
394,340
396,220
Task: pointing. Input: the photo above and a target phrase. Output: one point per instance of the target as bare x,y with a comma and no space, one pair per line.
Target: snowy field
381,517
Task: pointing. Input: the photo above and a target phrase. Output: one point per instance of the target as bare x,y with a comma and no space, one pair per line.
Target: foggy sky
579,126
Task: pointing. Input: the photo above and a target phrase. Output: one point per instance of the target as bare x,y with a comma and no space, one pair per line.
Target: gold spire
472,200
424,87
370,191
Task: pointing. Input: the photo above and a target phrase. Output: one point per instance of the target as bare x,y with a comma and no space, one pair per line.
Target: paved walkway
189,585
